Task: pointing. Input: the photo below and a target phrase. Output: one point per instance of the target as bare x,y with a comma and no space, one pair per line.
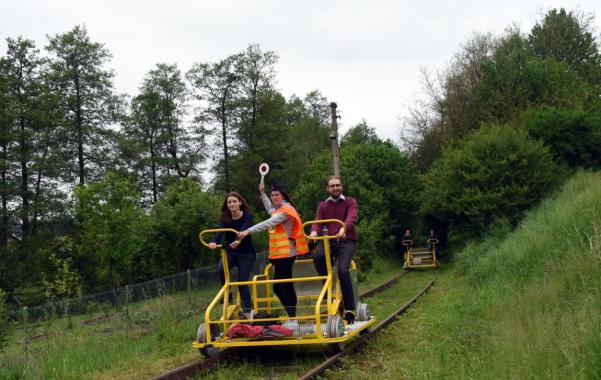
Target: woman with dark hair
235,214
286,241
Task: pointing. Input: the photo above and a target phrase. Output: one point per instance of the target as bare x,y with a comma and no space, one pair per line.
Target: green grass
524,306
154,336
291,361
152,332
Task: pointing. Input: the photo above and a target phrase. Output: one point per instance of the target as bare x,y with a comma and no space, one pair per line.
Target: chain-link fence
119,298
90,333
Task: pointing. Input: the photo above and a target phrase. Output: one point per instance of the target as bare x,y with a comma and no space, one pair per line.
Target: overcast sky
364,55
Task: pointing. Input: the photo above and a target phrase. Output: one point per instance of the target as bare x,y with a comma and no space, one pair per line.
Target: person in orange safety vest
286,241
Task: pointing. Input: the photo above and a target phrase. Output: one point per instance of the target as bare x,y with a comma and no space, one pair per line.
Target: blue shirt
246,245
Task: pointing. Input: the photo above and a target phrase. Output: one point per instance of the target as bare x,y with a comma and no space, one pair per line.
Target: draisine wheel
363,312
335,329
201,337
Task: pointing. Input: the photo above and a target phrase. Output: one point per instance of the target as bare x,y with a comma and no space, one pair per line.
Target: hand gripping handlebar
324,222
214,231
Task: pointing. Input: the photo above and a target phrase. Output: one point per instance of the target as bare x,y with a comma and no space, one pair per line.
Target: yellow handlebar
214,231
323,222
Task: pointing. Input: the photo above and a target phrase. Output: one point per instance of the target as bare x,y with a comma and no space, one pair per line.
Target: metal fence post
25,315
126,300
189,288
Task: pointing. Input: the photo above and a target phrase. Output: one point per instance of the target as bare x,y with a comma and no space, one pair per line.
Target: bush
172,243
573,135
382,179
495,174
3,321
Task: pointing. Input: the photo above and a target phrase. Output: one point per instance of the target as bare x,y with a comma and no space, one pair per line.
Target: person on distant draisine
432,241
407,242
407,239
345,209
286,241
235,214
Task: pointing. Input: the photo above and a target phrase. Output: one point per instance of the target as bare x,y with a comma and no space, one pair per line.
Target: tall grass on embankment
523,306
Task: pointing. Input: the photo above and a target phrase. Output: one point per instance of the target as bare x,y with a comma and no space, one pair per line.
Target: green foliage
66,282
496,173
155,142
568,37
449,109
109,221
217,85
3,321
87,102
172,243
523,306
494,80
29,293
514,79
381,178
573,135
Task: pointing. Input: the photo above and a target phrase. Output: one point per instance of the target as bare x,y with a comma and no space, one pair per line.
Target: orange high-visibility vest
279,240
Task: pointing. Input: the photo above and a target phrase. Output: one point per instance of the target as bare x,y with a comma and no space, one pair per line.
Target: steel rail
357,343
204,365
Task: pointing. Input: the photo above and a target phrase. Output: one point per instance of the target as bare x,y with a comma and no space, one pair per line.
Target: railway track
357,343
202,366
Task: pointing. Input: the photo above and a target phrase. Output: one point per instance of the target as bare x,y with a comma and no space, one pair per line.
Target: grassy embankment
522,306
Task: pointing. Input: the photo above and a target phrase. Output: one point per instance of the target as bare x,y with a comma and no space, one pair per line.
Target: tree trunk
226,165
4,226
80,133
38,184
25,225
153,170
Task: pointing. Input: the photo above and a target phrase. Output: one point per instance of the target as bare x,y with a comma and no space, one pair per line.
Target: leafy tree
156,142
288,136
4,324
382,179
270,140
568,37
448,110
256,79
22,67
514,79
172,243
28,175
360,134
217,87
308,134
573,135
494,175
109,221
87,104
6,191
141,143
65,282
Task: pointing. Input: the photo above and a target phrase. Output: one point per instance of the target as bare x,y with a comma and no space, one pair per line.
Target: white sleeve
267,203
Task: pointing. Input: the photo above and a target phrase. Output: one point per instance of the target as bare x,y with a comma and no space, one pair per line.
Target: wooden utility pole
334,138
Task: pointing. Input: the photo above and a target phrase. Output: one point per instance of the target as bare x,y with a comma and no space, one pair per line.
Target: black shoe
349,316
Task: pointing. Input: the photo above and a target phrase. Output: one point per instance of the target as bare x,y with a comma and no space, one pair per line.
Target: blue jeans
343,251
244,262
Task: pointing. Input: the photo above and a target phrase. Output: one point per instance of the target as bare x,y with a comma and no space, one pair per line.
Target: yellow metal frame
420,257
327,303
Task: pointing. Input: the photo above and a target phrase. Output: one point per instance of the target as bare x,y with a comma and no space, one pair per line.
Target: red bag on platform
242,330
